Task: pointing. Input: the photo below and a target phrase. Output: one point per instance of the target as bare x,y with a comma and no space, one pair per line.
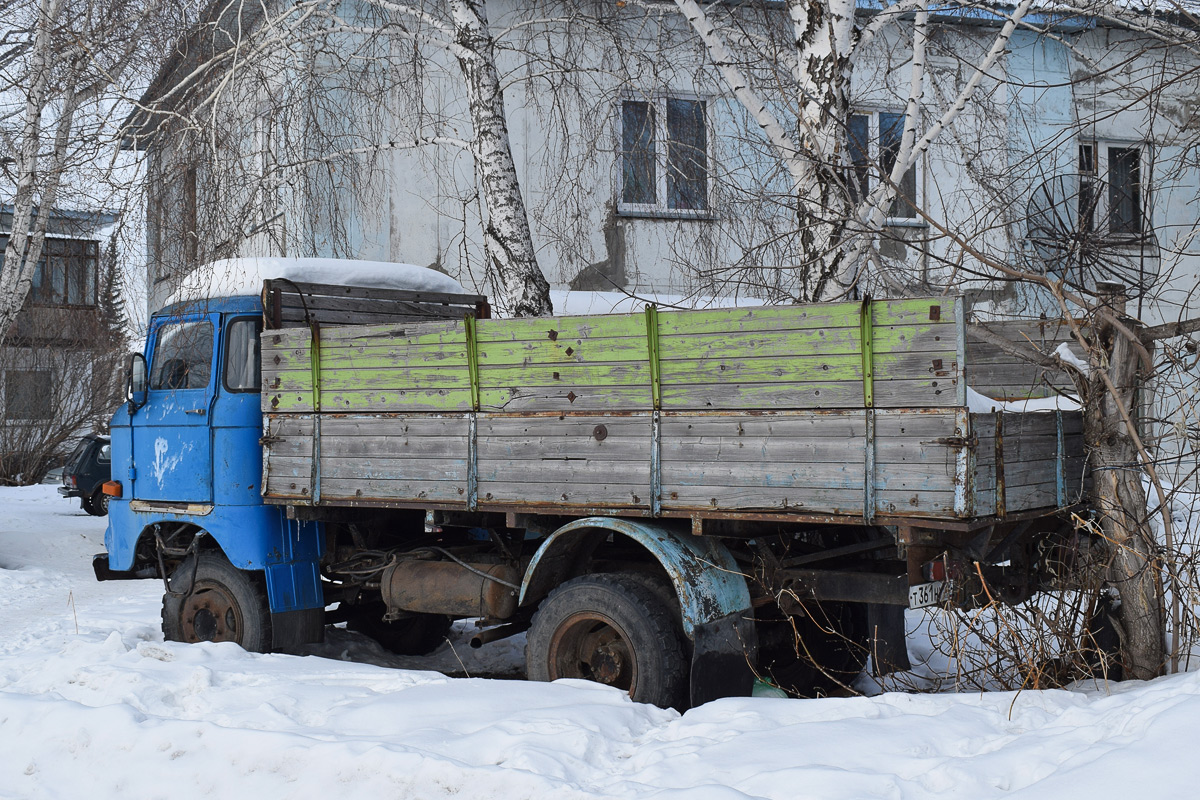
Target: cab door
172,434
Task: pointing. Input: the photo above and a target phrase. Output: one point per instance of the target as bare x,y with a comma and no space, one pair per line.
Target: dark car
89,466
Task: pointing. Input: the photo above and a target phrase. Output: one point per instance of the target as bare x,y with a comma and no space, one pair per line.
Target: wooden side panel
994,373
804,462
916,468
366,368
809,356
596,461
1028,459
409,459
569,364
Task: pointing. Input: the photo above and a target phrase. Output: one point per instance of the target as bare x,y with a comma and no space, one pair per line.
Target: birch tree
63,64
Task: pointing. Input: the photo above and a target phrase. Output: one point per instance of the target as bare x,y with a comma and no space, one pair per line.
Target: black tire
213,601
417,635
815,655
612,629
96,504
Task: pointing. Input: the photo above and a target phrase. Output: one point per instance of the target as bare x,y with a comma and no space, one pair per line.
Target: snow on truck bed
94,704
237,277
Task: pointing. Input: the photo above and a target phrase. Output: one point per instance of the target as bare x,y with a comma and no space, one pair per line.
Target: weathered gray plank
559,471
773,424
778,476
587,495
769,450
367,470
725,498
394,491
921,503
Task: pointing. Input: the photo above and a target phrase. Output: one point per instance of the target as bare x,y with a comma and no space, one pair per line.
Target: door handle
200,411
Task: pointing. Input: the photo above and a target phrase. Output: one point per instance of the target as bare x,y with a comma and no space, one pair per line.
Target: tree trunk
28,234
508,243
824,39
1120,500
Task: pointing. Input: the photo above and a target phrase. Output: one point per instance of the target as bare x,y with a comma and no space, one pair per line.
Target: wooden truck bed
853,411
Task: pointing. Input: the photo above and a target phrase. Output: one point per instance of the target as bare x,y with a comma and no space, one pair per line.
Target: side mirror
135,389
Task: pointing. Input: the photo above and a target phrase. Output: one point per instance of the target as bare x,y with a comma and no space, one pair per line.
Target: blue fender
709,583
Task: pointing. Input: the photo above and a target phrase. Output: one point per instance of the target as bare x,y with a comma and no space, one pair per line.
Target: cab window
242,355
183,356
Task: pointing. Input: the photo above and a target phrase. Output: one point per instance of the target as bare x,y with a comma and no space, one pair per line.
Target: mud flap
724,652
889,652
292,628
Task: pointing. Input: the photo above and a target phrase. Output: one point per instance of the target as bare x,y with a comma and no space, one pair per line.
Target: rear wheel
612,629
213,601
96,503
408,636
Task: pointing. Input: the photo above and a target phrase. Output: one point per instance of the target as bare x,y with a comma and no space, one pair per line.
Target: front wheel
213,601
611,629
96,503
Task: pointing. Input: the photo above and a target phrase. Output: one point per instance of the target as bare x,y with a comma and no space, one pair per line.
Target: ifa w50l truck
669,502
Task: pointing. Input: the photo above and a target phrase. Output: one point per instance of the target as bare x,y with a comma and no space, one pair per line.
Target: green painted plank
758,319
552,329
761,344
567,399
349,379
918,311
678,373
562,351
414,332
763,395
381,358
565,375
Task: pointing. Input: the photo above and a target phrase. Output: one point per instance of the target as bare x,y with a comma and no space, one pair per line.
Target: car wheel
96,503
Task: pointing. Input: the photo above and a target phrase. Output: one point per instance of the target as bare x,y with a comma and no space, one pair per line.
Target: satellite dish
1069,238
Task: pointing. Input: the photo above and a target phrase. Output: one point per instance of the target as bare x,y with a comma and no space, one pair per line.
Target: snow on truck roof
243,277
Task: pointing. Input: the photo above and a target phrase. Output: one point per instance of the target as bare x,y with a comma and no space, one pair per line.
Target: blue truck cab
187,466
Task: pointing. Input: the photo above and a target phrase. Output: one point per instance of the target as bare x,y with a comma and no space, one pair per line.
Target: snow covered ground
93,704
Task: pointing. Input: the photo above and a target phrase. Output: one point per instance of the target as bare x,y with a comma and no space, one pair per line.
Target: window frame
874,166
1101,155
154,353
67,253
225,354
660,209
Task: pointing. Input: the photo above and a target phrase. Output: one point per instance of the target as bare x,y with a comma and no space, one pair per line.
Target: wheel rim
590,646
211,614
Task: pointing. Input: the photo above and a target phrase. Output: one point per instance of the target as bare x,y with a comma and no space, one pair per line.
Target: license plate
927,594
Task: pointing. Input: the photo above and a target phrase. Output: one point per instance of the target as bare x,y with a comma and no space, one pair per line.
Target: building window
28,395
664,157
1120,208
66,272
874,142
